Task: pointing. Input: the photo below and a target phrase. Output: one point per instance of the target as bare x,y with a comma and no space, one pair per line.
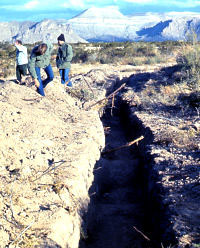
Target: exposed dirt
152,103
151,189
48,149
151,106
117,204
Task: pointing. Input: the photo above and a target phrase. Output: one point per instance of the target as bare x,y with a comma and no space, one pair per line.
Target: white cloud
186,4
72,4
176,3
31,4
140,1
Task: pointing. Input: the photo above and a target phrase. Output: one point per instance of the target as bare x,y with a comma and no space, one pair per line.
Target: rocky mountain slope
46,30
106,24
173,29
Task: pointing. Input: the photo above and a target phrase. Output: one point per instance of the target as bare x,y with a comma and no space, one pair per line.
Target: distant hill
30,32
174,29
106,24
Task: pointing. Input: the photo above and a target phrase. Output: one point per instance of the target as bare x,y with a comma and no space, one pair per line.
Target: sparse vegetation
121,53
178,92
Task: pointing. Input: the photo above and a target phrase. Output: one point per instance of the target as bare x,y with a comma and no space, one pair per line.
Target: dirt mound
47,152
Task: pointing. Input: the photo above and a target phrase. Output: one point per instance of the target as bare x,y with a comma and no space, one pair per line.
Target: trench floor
117,195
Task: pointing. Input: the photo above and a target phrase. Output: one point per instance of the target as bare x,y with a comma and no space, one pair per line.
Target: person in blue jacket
63,60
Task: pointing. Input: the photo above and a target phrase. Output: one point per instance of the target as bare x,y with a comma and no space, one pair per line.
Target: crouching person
40,58
63,60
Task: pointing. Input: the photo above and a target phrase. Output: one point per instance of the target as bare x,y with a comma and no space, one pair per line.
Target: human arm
36,82
50,47
31,66
67,53
20,47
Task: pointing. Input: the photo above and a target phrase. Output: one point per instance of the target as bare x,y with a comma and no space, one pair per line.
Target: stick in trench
127,145
111,95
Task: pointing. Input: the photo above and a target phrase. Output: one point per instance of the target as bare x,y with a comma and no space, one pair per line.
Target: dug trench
125,209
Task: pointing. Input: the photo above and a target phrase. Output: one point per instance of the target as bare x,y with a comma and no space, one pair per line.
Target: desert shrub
155,59
146,50
190,60
92,58
3,53
192,99
168,47
6,73
83,57
79,55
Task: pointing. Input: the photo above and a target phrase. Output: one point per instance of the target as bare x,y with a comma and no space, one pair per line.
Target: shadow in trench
116,213
126,208
157,215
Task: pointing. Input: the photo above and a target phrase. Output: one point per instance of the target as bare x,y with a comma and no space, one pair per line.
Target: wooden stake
124,146
141,233
88,84
111,95
113,104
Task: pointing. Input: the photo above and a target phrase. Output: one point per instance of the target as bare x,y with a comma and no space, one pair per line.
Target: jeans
64,74
21,70
44,83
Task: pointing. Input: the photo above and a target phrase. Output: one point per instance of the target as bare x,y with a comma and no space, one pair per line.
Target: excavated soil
147,196
144,196
117,194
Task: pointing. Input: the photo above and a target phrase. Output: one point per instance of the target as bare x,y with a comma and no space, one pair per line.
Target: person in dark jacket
63,60
40,58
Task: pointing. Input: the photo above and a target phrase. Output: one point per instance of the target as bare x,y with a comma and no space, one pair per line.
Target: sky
37,10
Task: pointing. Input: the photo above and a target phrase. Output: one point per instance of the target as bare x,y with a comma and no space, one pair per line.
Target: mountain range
106,24
31,32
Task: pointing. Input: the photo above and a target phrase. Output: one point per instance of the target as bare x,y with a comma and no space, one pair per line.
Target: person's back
21,60
40,58
21,53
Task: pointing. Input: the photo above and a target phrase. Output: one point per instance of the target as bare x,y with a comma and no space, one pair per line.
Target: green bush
190,60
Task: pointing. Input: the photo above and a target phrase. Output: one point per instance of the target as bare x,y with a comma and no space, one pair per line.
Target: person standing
63,60
40,58
21,60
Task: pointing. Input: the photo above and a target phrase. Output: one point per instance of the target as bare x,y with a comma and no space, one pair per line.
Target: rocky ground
172,144
49,148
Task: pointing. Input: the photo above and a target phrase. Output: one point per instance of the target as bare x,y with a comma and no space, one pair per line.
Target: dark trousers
64,75
21,70
44,83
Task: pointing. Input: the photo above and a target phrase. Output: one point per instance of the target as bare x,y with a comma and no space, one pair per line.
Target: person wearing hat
63,60
40,58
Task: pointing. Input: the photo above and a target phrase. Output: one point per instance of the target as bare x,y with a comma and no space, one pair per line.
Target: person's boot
69,84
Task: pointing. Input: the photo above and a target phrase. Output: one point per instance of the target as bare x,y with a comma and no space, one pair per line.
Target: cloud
141,1
185,4
31,4
21,6
40,9
73,4
168,3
